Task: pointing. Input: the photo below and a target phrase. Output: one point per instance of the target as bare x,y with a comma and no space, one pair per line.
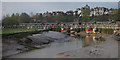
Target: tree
37,17
24,18
86,14
10,20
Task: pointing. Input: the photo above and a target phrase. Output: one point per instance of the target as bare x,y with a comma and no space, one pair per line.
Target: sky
60,0
40,6
0,10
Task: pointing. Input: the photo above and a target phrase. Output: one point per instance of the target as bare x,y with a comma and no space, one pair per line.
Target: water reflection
93,41
81,41
88,40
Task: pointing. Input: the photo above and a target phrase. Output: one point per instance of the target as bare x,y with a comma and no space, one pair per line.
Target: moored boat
89,30
117,34
117,37
63,30
95,30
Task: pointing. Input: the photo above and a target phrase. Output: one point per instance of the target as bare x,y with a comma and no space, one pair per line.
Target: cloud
60,0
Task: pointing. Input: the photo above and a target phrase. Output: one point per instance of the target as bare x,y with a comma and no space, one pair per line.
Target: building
106,11
75,13
38,14
78,12
87,7
92,12
47,14
96,11
113,11
69,12
59,12
99,11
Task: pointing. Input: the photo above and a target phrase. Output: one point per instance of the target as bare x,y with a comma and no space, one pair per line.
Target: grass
17,30
107,31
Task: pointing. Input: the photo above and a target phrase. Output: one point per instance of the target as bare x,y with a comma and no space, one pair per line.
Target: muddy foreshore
19,43
14,44
107,49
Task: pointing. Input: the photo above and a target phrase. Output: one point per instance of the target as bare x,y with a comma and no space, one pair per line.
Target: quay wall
73,26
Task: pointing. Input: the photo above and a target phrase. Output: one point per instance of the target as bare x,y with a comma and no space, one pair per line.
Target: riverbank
107,49
18,30
13,40
12,45
27,41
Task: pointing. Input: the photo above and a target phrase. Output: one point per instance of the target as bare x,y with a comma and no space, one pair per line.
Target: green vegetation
82,29
107,31
15,19
86,14
17,30
103,18
59,18
10,20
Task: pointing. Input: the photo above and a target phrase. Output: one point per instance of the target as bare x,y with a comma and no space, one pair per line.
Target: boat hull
89,31
117,38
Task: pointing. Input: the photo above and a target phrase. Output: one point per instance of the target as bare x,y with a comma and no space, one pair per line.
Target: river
55,48
50,51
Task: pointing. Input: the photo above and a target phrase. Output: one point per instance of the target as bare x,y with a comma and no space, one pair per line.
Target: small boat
95,30
63,30
89,30
117,36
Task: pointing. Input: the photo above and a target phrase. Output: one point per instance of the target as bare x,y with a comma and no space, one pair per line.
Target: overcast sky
60,0
40,6
0,10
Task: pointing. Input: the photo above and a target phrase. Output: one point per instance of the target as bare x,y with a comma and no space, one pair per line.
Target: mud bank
106,49
14,45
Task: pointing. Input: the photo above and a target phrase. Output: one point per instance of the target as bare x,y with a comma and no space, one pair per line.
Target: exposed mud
78,46
13,45
104,49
